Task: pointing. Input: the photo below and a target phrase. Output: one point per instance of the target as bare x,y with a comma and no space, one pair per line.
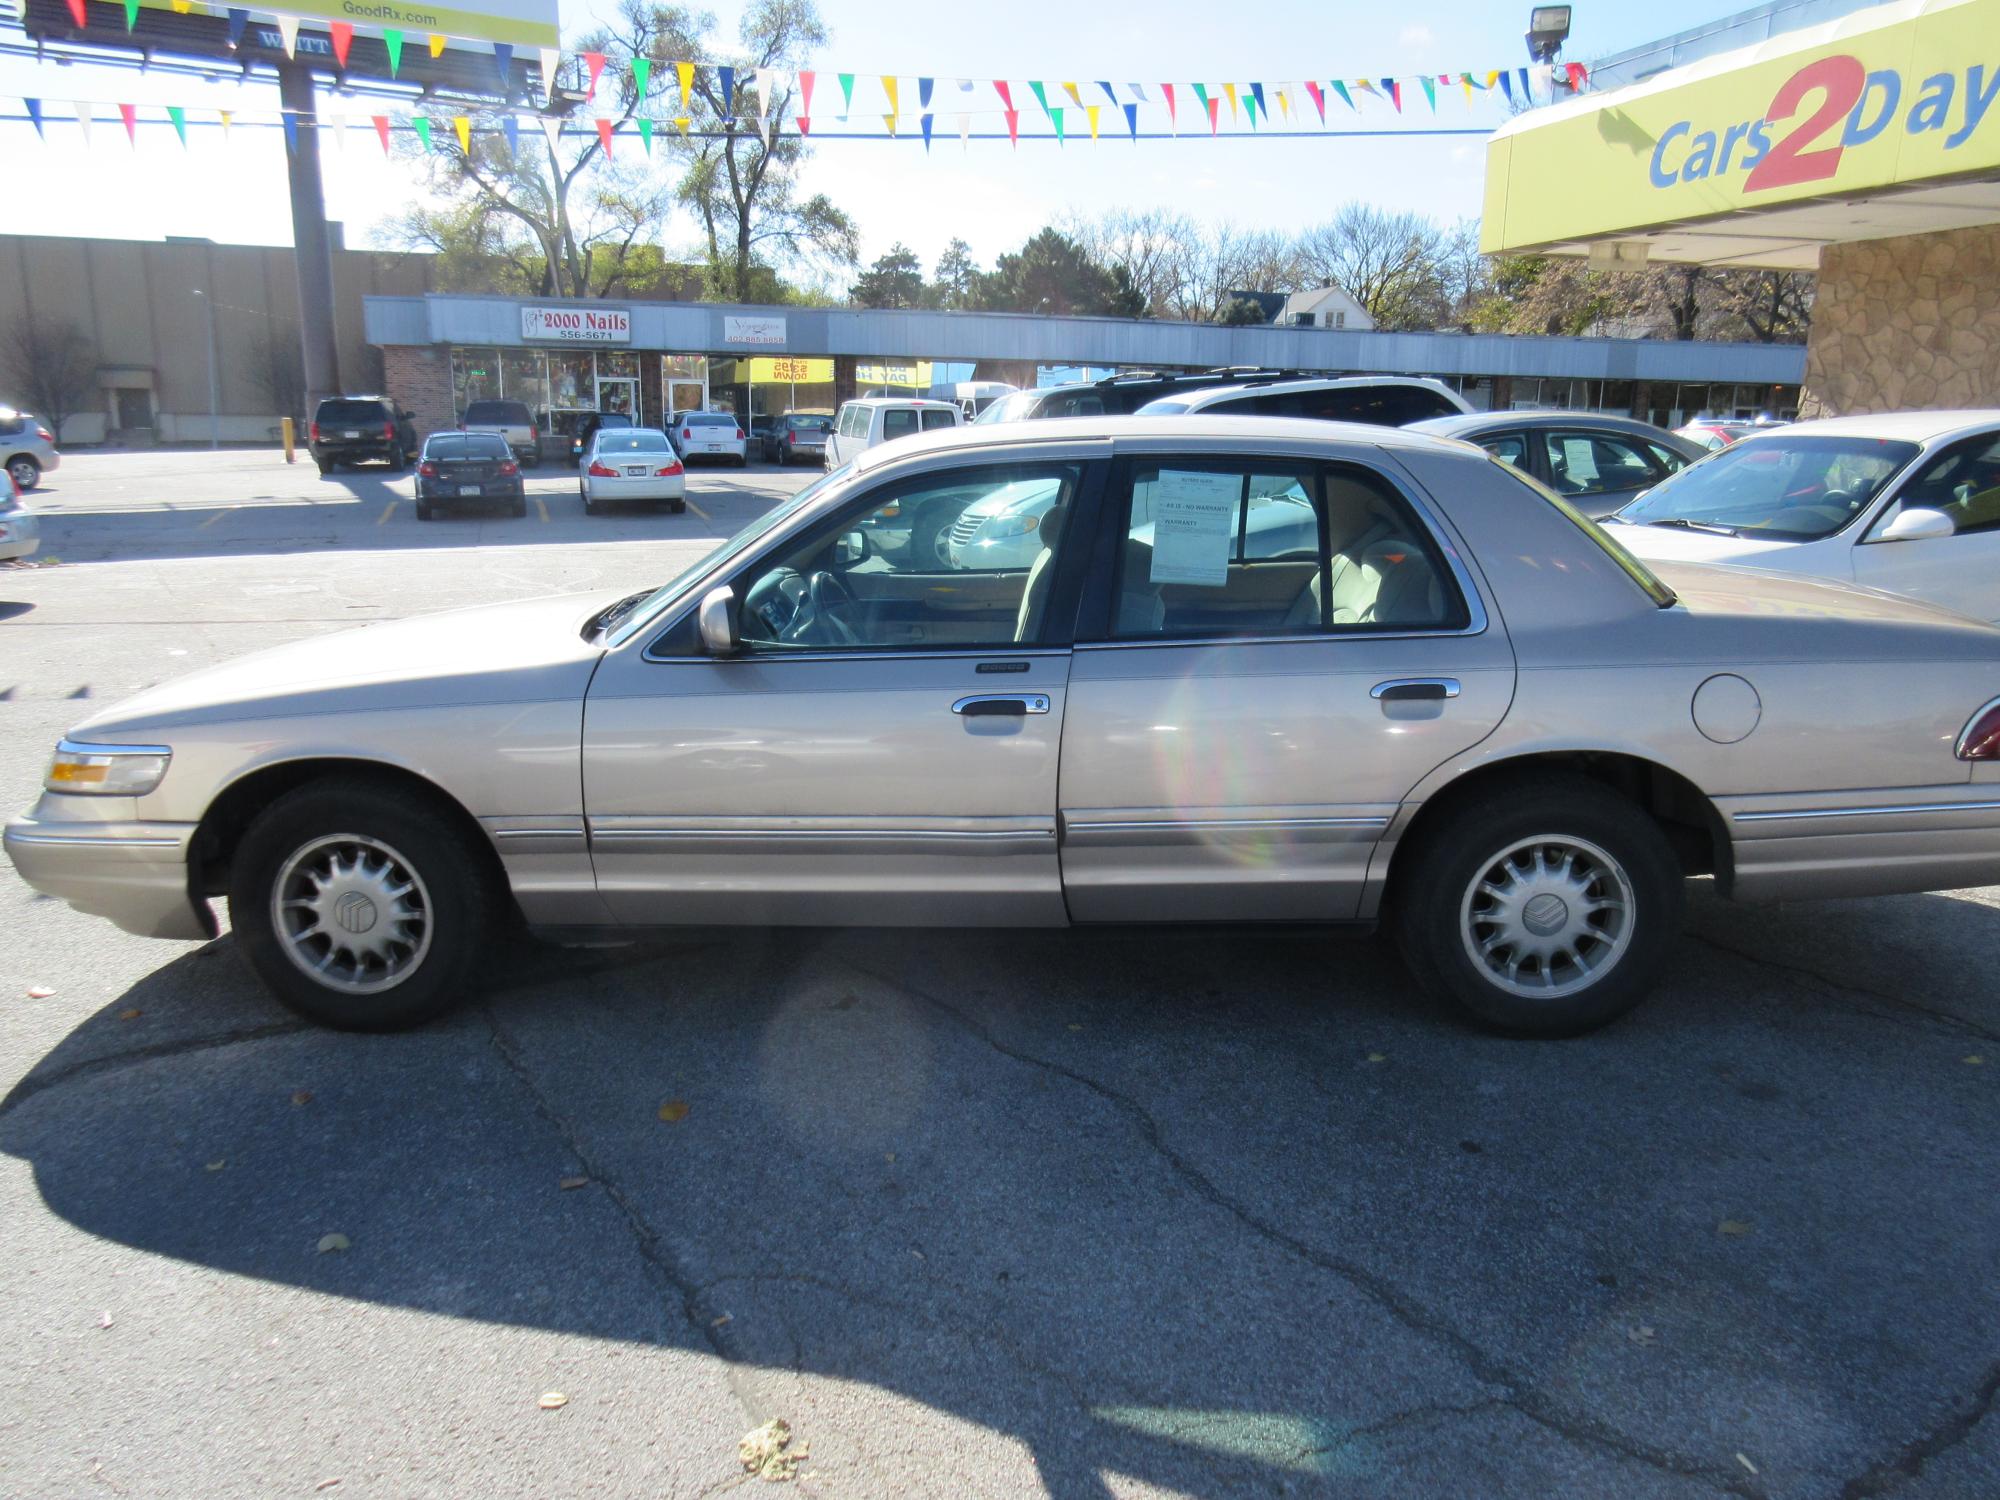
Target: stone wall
418,376
1906,324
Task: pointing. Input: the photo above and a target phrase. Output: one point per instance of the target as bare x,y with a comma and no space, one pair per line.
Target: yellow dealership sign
765,371
1894,96
520,23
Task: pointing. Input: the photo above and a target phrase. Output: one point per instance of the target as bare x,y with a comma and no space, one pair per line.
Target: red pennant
999,84
1318,99
595,62
1396,94
343,38
805,125
805,95
1168,90
78,13
1214,109
604,135
382,130
1579,75
1014,126
130,113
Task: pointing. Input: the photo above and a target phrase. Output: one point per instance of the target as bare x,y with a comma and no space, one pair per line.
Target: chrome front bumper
135,874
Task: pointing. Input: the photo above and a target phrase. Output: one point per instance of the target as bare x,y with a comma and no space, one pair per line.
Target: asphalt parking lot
1109,1213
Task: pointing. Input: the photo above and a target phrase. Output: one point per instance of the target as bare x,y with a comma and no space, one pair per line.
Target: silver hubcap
25,473
352,913
1547,917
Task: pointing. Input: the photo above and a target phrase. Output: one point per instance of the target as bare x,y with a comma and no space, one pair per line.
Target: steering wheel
828,592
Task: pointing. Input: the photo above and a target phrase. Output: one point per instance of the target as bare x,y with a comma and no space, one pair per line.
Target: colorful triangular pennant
462,128
393,41
174,113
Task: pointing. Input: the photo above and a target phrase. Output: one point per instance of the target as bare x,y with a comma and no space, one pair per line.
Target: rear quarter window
1652,584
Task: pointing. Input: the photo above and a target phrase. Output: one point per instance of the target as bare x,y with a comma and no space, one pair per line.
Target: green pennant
646,134
1430,91
393,40
642,74
131,14
846,94
1042,98
1202,94
1250,104
422,126
1056,116
180,118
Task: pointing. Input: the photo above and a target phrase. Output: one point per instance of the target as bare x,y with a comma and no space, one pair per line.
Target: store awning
1885,122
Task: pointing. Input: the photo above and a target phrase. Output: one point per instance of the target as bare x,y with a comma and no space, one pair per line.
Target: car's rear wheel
519,508
361,906
26,471
1545,910
424,510
589,505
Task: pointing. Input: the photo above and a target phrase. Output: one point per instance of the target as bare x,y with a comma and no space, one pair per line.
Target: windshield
742,542
1789,489
1014,408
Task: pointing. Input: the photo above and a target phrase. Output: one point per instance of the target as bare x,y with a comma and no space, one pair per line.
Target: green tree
742,186
1241,312
1053,275
895,280
956,275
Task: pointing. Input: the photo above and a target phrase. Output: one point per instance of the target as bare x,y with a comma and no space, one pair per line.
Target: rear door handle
1015,705
1414,689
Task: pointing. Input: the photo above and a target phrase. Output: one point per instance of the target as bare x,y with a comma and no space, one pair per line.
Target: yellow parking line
698,511
387,511
212,519
542,506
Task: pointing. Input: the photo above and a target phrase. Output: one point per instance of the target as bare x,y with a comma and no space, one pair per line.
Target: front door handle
1015,705
1414,689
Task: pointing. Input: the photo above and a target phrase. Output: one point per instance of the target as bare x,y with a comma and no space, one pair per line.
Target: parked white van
879,419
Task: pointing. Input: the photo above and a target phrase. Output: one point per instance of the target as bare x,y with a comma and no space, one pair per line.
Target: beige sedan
1255,670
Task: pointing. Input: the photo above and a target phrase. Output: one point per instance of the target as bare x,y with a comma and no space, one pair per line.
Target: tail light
533,435
45,435
739,434
509,469
687,434
601,471
1981,739
427,469
673,467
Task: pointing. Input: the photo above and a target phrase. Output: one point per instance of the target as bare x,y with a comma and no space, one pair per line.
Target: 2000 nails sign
1829,107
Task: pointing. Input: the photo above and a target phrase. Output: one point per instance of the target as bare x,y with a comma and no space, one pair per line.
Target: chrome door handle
979,705
1414,689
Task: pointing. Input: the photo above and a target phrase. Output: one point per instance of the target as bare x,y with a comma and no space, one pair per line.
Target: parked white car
882,419
711,434
27,447
631,464
20,533
1378,400
1903,501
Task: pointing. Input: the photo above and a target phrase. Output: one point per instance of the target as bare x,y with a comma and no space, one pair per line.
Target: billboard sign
576,325
768,331
1847,109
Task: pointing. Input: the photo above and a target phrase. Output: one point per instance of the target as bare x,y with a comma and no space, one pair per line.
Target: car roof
901,401
628,431
1194,427
1485,421
1906,426
1210,393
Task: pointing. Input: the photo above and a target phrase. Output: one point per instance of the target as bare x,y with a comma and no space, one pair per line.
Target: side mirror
851,548
1917,523
716,620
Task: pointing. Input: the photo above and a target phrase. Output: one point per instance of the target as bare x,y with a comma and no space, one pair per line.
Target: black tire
26,469
1435,905
678,507
424,511
519,509
460,914
325,469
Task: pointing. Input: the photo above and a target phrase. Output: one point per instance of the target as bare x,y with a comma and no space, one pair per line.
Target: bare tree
53,365
1387,262
1773,307
277,370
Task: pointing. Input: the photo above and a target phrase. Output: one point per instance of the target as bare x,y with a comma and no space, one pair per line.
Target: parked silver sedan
635,464
1450,705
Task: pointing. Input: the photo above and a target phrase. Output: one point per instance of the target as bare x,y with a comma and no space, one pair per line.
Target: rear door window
898,421
936,419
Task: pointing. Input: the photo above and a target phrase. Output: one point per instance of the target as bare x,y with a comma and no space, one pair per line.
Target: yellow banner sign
521,23
1849,109
898,372
768,371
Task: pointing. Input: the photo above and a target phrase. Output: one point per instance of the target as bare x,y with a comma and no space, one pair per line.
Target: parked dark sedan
587,427
797,435
468,468
1598,463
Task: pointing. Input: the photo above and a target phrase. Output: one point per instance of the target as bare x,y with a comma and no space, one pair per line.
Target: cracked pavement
1084,1214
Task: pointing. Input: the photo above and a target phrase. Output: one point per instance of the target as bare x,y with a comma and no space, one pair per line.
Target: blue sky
989,194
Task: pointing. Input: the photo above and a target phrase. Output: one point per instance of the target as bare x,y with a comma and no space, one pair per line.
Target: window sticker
1194,526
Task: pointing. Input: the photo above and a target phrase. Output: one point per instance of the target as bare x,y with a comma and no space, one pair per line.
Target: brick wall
418,377
1905,324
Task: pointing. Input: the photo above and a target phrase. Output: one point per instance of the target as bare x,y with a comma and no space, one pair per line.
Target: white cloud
1418,35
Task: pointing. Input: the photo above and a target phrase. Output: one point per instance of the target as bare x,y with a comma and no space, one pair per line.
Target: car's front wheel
1547,910
27,473
361,905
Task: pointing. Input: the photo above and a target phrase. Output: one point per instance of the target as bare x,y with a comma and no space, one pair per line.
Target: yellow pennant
462,128
1090,110
183,7
1493,78
225,114
1466,79
437,44
682,122
1074,97
889,89
686,73
1284,105
890,121
1230,90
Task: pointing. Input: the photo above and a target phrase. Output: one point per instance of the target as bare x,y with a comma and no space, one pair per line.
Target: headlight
1001,526
107,770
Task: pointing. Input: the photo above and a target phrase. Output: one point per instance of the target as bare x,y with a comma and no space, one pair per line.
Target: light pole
208,312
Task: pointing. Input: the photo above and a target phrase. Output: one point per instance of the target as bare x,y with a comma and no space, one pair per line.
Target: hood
1753,611
1675,543
531,650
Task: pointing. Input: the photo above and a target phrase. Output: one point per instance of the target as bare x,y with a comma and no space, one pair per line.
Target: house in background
1324,307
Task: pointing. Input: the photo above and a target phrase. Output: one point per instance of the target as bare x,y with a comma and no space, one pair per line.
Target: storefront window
623,366
475,376
524,378
572,382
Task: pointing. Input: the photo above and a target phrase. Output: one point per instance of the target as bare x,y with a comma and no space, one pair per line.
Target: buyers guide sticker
1194,523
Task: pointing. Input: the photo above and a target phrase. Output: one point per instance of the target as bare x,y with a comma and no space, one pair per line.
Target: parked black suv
1121,395
355,429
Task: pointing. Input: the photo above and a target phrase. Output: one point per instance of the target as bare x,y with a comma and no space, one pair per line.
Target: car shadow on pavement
1217,1211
